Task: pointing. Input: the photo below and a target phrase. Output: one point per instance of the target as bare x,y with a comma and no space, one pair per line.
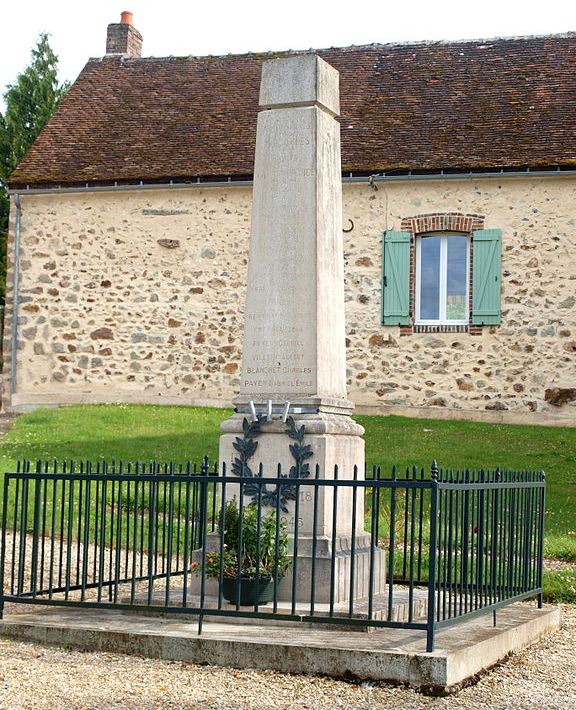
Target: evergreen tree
30,102
3,219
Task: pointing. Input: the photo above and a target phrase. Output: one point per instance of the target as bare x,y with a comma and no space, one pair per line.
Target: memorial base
324,513
347,572
346,579
337,452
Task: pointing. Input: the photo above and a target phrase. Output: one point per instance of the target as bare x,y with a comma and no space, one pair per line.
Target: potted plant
253,569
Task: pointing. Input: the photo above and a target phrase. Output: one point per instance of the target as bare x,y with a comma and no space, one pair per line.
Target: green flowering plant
261,559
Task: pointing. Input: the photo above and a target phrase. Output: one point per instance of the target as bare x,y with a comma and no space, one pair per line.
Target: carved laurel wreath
246,446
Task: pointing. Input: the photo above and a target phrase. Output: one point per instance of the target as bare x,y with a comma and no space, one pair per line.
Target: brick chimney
123,38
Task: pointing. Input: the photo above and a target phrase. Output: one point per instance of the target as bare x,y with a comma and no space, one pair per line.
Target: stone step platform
394,655
400,609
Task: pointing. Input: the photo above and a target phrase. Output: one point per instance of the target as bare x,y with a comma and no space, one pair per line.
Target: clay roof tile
425,106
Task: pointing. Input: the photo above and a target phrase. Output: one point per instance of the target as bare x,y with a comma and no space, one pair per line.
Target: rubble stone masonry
138,296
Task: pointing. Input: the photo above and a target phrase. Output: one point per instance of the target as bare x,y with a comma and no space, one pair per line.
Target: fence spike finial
434,470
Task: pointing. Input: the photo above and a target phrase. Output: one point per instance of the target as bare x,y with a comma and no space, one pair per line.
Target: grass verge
168,433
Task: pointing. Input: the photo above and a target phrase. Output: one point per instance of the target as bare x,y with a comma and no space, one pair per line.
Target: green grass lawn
474,445
180,434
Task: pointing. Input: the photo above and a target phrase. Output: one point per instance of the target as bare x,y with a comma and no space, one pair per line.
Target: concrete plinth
404,606
395,655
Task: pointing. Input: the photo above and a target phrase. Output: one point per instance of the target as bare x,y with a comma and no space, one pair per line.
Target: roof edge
568,169
362,47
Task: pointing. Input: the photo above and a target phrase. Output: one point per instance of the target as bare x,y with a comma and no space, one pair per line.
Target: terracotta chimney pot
126,18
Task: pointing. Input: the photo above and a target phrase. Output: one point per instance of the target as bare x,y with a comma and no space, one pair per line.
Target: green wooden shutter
396,279
486,276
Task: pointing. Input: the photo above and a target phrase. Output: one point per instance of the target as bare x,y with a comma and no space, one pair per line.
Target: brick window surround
439,222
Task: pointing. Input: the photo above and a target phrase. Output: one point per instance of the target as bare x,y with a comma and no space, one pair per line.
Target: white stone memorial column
294,336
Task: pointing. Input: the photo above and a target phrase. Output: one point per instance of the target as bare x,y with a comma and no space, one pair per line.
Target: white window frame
442,320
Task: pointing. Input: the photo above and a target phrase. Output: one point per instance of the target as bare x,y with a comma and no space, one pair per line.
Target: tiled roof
429,106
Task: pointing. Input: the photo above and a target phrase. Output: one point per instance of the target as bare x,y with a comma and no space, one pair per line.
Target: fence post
152,530
494,541
203,507
431,621
541,541
203,502
3,526
35,536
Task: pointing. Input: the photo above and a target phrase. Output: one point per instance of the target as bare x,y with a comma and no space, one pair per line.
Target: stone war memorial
294,362
289,553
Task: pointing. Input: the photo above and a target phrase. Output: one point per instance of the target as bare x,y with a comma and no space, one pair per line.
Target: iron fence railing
410,551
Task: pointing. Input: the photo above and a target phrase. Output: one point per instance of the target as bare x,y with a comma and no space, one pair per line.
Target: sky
197,27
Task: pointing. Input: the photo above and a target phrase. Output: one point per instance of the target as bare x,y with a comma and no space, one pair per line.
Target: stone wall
504,372
138,296
131,296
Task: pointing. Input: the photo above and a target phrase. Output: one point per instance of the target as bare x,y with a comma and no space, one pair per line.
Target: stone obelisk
294,336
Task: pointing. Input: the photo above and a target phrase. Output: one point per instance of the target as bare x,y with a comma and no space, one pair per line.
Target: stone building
130,219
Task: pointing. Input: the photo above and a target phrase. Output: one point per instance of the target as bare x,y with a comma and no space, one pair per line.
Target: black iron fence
406,551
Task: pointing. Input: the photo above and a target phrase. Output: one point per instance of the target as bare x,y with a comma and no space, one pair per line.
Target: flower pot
252,591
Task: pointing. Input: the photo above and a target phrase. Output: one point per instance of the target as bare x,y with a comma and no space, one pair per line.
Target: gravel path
34,677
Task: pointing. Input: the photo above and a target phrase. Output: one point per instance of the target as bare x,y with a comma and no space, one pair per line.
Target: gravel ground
34,677
554,565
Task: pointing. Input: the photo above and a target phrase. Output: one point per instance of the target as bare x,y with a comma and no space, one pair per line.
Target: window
442,269
441,272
